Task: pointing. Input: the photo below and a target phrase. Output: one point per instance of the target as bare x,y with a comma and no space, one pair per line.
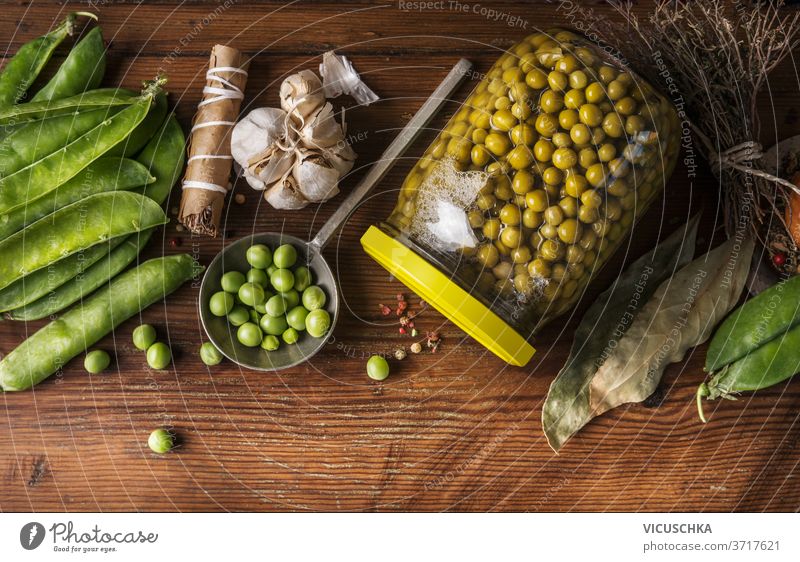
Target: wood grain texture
456,430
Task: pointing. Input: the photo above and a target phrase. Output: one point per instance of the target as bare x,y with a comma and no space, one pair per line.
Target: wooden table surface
455,430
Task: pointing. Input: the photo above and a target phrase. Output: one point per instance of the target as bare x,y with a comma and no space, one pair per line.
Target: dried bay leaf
682,313
566,408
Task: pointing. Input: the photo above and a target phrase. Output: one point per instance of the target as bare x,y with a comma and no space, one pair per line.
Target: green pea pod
102,98
75,331
769,364
48,173
164,155
76,227
102,175
38,139
42,281
82,70
23,68
80,287
146,129
758,321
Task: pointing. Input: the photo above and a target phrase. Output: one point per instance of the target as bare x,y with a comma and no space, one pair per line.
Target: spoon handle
392,153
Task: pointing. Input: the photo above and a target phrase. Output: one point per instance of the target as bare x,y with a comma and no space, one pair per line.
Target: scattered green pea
302,278
258,277
259,256
250,294
276,306
314,298
144,336
282,280
270,343
290,336
377,368
249,334
159,355
238,315
96,361
161,441
318,322
285,256
221,303
296,318
232,280
209,354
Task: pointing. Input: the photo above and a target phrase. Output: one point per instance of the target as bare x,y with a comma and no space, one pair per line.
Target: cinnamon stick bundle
207,177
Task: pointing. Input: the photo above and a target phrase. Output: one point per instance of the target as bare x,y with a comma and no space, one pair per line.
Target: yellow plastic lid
467,312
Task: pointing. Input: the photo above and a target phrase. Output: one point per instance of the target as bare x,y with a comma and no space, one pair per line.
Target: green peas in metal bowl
259,307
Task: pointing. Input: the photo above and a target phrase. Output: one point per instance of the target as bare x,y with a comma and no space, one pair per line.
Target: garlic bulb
317,179
256,132
302,95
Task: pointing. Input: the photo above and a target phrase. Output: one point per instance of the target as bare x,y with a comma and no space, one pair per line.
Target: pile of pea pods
84,173
756,347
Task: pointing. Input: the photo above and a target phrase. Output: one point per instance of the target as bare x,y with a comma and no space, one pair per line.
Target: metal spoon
223,335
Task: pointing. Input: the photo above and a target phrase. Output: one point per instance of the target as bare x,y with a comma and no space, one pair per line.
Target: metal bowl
223,334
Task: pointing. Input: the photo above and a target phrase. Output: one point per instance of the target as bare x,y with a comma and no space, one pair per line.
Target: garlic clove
321,130
284,195
315,178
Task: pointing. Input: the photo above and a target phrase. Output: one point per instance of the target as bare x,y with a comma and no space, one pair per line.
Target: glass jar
529,189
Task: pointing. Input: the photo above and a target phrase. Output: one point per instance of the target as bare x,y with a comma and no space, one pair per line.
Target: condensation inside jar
539,175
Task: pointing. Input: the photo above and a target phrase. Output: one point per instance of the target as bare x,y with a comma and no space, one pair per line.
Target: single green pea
238,315
302,278
276,306
377,368
273,325
259,256
282,280
254,316
159,355
314,298
249,334
271,269
250,294
96,361
209,354
296,318
292,299
231,281
285,256
290,336
221,303
261,307
270,343
161,441
144,336
318,322
258,277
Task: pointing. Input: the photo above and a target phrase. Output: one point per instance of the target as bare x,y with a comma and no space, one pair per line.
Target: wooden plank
457,430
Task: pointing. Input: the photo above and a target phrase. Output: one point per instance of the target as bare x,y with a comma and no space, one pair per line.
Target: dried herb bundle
712,58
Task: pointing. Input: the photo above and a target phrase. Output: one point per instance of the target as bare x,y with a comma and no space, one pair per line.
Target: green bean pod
23,68
102,98
75,331
43,281
36,140
164,155
82,70
103,175
769,364
759,320
48,173
146,129
76,227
